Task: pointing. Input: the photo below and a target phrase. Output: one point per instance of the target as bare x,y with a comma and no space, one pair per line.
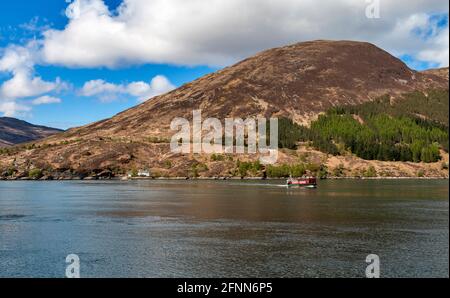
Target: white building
144,173
140,173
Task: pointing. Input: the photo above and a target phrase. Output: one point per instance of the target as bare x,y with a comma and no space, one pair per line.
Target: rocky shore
109,176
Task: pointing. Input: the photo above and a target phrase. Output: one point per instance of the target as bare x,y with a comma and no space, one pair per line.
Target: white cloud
18,58
143,91
199,32
423,37
12,108
218,32
46,100
438,51
107,92
24,85
19,61
97,87
35,26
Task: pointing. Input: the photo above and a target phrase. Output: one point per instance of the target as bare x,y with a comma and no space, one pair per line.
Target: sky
68,63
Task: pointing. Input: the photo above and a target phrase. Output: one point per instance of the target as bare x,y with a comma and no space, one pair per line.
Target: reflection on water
224,228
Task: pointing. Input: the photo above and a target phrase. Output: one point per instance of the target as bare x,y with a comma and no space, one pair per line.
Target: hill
440,72
297,82
14,131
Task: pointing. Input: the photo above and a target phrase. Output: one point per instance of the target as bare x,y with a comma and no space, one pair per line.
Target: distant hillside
14,131
440,72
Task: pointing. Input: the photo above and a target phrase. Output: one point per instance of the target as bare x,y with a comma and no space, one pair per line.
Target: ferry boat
307,182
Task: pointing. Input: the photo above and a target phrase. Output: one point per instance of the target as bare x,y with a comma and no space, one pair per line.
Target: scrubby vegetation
284,170
248,168
338,171
196,168
217,157
32,146
157,140
297,170
35,174
370,172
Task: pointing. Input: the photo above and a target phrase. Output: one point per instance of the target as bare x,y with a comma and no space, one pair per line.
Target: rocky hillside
299,82
14,131
440,72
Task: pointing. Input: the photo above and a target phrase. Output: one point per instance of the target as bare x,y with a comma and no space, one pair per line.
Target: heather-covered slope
14,131
299,82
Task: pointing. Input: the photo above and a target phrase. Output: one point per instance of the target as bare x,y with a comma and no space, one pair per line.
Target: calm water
224,229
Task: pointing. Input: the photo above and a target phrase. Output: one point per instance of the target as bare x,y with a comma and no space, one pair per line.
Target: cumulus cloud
107,92
12,108
192,32
22,85
19,62
213,32
18,58
43,100
99,87
438,50
143,91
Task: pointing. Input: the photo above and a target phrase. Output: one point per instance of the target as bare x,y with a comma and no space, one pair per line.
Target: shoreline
212,179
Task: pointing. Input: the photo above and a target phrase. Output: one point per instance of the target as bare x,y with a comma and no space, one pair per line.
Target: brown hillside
298,81
14,131
440,72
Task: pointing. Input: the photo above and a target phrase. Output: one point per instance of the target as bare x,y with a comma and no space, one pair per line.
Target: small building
143,173
140,173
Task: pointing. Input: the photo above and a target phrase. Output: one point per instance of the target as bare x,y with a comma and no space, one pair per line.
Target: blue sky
73,110
86,60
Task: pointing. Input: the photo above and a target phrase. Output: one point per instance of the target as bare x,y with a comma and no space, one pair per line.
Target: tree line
378,130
